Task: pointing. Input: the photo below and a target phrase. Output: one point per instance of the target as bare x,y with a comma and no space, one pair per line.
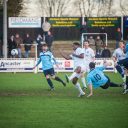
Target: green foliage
14,7
25,102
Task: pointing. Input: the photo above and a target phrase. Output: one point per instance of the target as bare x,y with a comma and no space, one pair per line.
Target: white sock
79,88
72,76
124,79
83,82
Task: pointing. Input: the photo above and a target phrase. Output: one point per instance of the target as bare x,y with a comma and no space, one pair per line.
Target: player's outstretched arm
78,56
91,90
37,63
64,55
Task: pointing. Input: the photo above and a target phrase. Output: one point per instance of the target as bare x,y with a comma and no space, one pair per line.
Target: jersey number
97,77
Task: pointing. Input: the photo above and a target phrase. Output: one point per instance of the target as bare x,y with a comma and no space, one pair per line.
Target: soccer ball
14,52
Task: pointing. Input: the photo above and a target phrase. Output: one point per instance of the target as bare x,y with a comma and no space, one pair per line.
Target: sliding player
46,58
78,57
96,78
124,63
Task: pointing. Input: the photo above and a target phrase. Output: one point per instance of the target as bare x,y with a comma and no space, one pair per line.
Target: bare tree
53,8
123,7
86,7
95,7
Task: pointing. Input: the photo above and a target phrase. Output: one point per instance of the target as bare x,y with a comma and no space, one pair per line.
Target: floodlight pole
122,28
5,28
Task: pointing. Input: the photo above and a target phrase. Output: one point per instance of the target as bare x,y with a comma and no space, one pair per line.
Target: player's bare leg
83,80
77,85
74,78
70,78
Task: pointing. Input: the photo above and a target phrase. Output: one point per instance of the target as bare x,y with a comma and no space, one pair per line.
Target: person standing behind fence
49,40
91,41
39,41
98,44
27,45
11,45
46,27
106,53
18,41
118,37
102,35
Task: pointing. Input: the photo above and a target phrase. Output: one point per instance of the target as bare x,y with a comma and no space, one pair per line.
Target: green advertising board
103,22
64,21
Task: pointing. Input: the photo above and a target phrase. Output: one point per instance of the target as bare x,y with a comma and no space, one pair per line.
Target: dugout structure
85,36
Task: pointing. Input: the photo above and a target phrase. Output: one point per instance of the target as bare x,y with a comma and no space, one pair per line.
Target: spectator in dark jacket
102,35
11,45
49,40
19,42
27,45
118,37
106,53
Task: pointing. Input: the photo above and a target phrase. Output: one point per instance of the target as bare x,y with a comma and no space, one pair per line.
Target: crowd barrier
26,65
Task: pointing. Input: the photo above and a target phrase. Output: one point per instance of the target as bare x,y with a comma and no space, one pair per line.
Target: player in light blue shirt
47,59
96,78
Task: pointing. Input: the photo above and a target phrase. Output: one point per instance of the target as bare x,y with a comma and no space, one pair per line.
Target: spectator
106,53
102,36
98,44
39,41
11,45
91,40
27,45
118,37
49,40
46,27
18,41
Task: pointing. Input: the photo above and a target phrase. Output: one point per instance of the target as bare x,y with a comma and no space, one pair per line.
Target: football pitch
26,102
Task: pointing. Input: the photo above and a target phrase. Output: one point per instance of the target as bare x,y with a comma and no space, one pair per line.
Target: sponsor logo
4,64
67,64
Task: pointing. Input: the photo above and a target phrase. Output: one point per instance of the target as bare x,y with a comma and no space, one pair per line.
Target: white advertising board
63,66
26,65
111,68
24,22
17,65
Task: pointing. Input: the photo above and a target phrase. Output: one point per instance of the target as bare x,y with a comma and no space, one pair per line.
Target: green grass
25,102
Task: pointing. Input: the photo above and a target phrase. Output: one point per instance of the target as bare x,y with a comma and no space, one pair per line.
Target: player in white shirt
89,55
78,57
119,55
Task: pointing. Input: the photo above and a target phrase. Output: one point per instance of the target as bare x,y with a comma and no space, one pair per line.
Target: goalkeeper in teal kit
47,59
96,78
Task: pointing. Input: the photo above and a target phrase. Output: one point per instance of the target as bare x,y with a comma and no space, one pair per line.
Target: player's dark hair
122,41
86,41
44,45
76,43
91,65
